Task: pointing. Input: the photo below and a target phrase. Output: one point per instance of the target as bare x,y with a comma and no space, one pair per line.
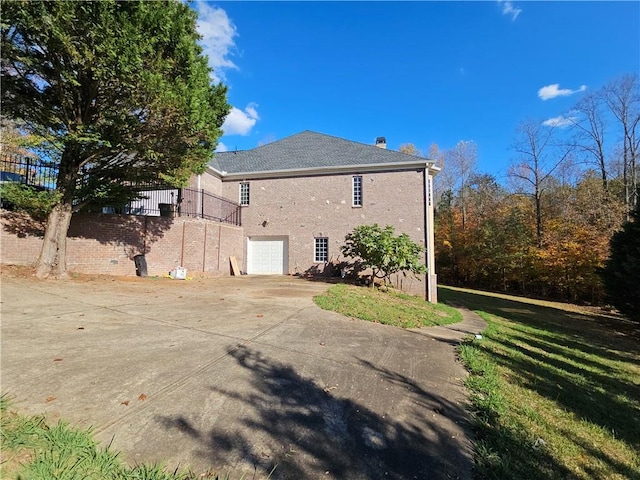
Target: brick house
302,194
282,208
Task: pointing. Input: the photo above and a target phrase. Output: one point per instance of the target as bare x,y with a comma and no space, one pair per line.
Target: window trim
244,195
320,245
357,184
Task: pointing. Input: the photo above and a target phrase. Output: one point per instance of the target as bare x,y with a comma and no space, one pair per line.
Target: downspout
431,253
184,225
425,222
200,197
219,235
432,291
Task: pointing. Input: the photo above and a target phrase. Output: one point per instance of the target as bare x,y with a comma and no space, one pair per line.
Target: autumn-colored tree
410,149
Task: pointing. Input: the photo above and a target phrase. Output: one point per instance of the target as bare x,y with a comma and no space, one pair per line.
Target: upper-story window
357,191
244,193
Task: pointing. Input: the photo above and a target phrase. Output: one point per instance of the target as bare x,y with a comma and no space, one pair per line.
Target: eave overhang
333,170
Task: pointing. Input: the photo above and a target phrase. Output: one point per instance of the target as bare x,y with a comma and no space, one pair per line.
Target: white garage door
266,255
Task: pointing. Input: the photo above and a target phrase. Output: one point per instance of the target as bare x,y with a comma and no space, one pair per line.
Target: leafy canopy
621,273
384,252
120,91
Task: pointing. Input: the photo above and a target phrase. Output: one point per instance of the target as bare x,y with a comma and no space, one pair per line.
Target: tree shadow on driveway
290,422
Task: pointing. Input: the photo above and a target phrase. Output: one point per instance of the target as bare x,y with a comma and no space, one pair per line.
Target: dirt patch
198,286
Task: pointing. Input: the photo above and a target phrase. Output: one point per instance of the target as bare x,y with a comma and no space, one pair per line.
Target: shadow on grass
615,338
566,357
289,421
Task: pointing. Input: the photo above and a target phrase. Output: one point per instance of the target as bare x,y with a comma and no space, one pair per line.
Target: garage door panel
266,255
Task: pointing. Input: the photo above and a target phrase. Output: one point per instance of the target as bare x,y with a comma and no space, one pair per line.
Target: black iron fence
182,202
28,171
156,200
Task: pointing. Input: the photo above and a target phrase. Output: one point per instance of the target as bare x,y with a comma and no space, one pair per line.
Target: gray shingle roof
306,150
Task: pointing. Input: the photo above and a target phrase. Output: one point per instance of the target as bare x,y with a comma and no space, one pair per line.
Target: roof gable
307,151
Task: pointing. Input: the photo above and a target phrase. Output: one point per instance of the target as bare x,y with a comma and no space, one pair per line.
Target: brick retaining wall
106,244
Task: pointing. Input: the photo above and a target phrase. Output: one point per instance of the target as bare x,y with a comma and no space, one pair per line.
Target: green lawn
555,389
34,450
387,307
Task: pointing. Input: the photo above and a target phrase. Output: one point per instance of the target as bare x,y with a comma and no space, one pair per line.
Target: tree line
544,230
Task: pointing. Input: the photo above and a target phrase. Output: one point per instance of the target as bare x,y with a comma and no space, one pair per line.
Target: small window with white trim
357,191
321,254
244,193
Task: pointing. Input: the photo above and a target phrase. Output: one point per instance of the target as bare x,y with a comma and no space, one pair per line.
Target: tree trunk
538,202
53,256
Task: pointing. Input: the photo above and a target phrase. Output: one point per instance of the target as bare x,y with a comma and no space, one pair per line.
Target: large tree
538,156
621,273
622,96
121,93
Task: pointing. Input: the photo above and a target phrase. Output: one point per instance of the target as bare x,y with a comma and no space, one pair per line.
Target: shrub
24,198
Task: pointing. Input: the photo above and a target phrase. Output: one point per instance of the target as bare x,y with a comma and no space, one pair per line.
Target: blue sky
413,72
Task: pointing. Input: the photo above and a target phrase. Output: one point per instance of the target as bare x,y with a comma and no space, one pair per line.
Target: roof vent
381,142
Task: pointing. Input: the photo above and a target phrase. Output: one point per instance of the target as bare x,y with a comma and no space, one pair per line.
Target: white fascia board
376,167
215,172
433,170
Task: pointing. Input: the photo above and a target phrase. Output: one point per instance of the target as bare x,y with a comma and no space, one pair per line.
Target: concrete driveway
237,375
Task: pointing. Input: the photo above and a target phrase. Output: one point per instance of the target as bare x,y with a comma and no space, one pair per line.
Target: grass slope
387,307
555,389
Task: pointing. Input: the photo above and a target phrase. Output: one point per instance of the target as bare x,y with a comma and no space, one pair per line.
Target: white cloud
560,122
218,33
552,91
221,147
240,122
509,9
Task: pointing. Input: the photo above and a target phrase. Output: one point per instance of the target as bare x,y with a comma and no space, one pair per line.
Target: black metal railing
151,200
183,202
200,203
30,171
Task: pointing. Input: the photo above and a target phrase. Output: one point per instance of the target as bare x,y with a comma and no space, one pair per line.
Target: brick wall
303,208
106,244
208,182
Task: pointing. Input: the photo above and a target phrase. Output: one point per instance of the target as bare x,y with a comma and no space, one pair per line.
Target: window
321,249
244,193
357,191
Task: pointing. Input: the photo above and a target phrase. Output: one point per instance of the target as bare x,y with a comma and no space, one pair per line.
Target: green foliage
384,252
621,273
120,90
389,308
24,198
